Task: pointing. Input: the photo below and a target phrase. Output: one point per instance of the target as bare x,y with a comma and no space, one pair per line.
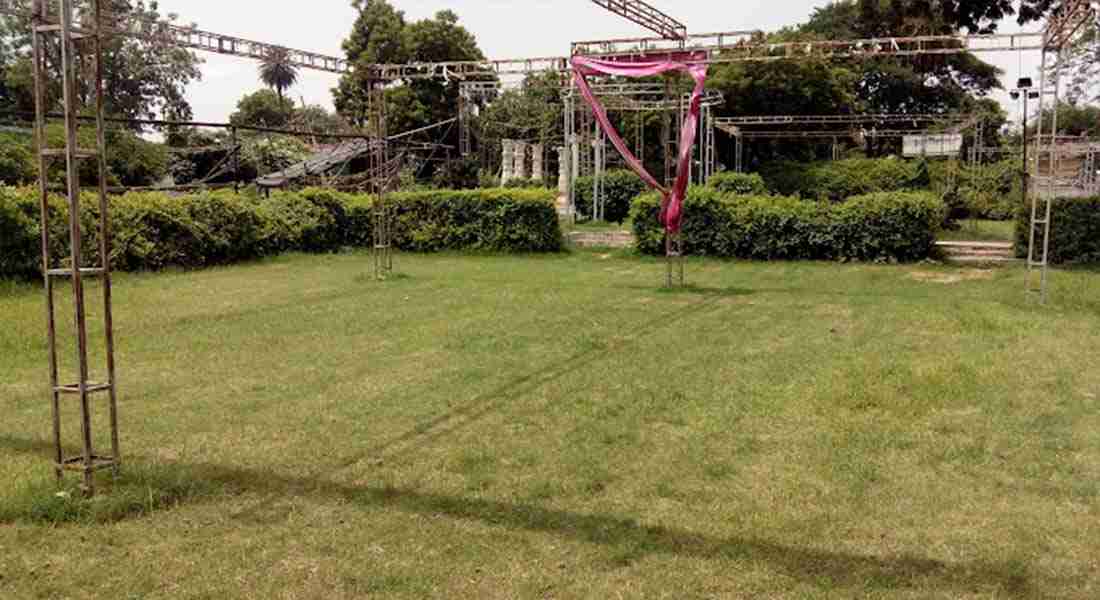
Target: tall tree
381,35
144,77
277,72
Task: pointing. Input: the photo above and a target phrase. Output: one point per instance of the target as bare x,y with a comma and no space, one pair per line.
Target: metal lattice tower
380,180
61,27
1061,29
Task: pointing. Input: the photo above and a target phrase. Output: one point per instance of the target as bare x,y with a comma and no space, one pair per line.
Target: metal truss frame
647,16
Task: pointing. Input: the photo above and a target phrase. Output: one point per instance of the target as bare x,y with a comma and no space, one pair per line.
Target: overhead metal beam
647,16
839,119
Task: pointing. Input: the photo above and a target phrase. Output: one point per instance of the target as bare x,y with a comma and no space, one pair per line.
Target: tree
143,77
264,108
277,72
381,35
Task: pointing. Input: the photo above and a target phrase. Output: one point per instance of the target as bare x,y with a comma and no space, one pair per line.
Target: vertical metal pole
1035,221
105,239
75,235
236,145
39,57
383,234
1055,164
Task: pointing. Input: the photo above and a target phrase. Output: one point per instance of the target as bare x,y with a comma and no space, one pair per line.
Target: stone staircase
979,252
602,239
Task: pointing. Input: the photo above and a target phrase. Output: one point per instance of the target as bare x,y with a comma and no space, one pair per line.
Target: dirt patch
952,277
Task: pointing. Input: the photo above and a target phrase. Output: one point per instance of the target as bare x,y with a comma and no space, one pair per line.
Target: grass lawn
560,427
977,230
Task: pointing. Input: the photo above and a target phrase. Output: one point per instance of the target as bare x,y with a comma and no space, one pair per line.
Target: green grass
977,230
561,427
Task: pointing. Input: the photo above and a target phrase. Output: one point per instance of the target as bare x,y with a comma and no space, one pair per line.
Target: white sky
504,29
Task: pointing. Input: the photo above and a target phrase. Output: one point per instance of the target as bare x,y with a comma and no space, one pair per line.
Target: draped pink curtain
673,202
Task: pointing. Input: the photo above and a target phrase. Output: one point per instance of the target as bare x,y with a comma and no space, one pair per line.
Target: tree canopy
143,77
382,35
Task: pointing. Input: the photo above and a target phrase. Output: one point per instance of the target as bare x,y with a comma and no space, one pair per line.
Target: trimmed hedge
1075,231
836,181
883,227
745,184
621,187
154,231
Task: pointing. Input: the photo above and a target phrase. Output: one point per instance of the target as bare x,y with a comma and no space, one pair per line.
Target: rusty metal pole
105,240
38,37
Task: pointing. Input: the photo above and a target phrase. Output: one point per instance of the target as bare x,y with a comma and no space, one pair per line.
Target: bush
524,184
621,187
744,184
484,220
836,181
1075,231
153,230
894,226
17,166
990,191
19,234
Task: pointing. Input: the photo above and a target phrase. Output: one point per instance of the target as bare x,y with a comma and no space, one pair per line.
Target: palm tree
277,72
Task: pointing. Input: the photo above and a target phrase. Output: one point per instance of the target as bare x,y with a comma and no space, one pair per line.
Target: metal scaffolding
647,16
1060,32
76,40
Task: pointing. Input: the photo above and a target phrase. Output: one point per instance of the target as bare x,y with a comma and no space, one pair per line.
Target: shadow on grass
692,290
628,540
488,403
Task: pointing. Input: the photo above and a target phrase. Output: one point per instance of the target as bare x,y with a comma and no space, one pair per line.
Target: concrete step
602,239
985,260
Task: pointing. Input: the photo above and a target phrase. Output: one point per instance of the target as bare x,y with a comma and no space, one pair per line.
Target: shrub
745,184
524,184
1075,231
621,187
485,220
896,226
990,191
17,166
154,231
837,180
19,234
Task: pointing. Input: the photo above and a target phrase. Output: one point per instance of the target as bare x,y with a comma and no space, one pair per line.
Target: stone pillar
521,160
563,170
507,161
536,162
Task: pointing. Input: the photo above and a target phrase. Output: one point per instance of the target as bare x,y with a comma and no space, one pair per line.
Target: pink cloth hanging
673,202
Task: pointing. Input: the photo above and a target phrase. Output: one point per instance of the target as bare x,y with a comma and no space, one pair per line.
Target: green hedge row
836,181
887,226
744,184
621,187
1075,231
153,230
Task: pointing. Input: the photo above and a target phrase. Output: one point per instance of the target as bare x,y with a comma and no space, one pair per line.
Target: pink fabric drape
673,202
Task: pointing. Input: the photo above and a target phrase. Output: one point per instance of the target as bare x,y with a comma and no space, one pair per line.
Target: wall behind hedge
1075,231
888,226
153,230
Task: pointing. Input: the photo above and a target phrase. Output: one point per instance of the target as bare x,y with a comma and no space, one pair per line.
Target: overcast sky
504,29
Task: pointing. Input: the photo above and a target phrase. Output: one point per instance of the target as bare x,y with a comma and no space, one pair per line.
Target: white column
507,161
563,170
521,160
536,162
